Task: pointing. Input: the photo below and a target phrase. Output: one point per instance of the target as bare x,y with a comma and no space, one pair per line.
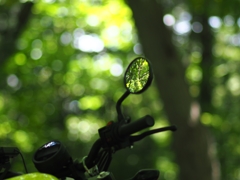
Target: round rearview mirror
138,75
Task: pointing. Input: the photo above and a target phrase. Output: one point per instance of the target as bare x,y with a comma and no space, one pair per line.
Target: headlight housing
52,158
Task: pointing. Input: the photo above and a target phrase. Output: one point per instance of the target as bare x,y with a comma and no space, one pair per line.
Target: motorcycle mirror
138,76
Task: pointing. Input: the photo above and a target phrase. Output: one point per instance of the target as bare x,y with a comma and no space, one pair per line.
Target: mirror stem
118,106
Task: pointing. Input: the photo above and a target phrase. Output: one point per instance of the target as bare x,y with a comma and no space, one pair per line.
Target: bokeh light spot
36,54
89,43
37,43
66,38
229,20
90,102
169,20
12,80
116,69
92,20
233,85
99,84
62,11
137,49
197,27
182,27
20,59
215,22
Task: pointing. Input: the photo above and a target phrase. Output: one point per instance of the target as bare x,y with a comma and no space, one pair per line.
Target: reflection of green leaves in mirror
138,75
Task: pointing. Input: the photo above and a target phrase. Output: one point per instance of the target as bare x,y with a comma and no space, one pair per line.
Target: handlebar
113,137
138,125
115,131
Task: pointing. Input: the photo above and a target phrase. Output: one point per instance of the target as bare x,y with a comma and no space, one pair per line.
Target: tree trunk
191,142
15,22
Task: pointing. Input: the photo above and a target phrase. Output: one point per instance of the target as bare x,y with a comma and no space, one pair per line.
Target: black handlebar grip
138,125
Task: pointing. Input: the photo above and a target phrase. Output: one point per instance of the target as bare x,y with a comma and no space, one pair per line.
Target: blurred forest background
61,74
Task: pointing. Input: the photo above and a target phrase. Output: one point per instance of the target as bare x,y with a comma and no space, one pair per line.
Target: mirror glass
138,76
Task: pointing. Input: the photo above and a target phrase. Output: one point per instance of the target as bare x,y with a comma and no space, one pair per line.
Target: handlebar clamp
110,137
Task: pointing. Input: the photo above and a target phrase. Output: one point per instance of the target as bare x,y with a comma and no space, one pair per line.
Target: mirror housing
137,79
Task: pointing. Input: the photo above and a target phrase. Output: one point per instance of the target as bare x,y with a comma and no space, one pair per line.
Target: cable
23,162
102,160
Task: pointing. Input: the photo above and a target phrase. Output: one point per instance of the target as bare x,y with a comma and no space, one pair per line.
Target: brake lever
147,133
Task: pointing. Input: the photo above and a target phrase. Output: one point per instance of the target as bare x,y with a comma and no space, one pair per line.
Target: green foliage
66,75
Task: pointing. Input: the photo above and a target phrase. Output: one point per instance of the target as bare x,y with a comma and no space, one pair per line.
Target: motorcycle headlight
51,158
